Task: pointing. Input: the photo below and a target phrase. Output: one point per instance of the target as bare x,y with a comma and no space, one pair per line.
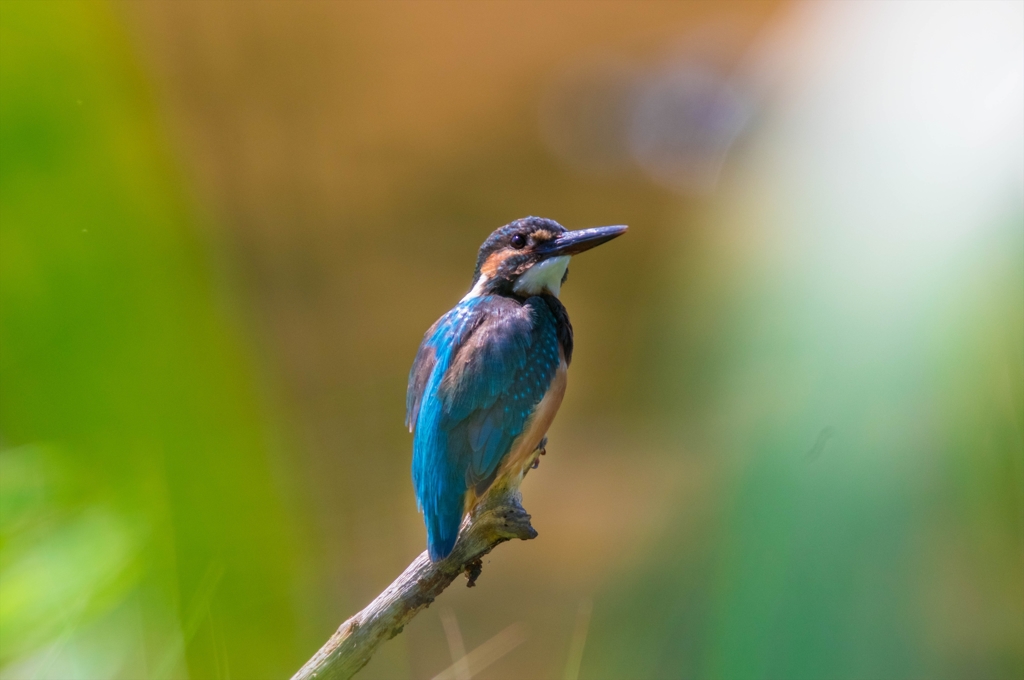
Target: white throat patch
477,290
544,277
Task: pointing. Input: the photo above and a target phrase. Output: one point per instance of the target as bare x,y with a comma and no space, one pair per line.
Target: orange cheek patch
490,266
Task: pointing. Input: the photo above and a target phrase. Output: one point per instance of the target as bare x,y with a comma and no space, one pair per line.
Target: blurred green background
793,441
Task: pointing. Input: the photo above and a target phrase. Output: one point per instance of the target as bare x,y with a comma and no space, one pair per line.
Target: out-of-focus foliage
863,350
143,530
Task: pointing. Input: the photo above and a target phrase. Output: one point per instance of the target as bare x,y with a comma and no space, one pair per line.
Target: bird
490,374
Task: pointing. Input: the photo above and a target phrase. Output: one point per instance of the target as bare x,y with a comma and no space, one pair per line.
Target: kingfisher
490,374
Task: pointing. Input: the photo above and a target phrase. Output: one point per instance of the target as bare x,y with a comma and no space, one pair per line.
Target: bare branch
499,519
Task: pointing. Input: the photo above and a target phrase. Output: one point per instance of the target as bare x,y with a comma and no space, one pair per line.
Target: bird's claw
542,450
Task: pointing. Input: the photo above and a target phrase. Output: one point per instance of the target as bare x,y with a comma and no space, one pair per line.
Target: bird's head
531,256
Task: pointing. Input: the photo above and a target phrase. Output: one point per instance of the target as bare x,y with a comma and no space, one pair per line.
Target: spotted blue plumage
479,374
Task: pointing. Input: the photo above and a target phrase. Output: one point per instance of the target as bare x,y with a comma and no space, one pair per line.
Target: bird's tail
443,523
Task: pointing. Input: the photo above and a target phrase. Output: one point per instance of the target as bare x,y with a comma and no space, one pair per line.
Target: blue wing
480,372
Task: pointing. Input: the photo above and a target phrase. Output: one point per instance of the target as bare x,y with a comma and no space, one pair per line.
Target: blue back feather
480,372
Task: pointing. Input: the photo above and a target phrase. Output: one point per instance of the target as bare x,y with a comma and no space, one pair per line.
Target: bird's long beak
575,242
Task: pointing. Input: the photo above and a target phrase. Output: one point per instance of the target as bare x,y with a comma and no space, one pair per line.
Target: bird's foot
541,450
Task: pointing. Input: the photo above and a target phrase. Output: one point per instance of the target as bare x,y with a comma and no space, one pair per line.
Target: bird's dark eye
518,241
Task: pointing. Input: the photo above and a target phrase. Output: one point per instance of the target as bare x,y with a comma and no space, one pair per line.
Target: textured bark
499,519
